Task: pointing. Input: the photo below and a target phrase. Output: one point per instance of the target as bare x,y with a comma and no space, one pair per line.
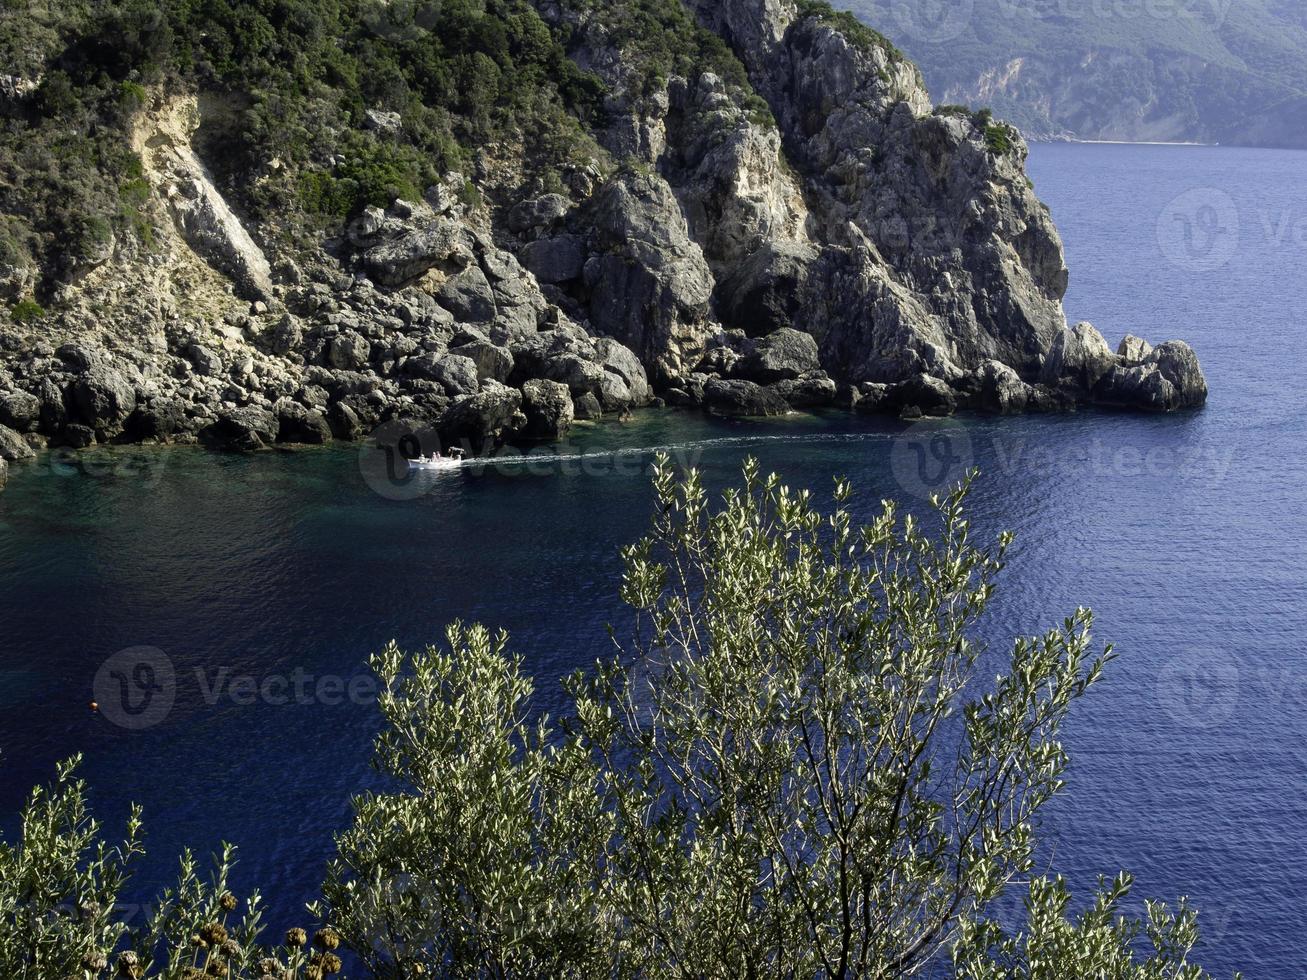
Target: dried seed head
296,938
327,939
94,961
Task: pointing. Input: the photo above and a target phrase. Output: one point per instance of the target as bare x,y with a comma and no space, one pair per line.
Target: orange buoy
94,706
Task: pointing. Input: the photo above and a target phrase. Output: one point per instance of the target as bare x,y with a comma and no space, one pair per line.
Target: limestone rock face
201,213
925,239
650,285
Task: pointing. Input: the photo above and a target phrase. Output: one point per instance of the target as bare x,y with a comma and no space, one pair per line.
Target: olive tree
62,916
796,765
487,860
808,776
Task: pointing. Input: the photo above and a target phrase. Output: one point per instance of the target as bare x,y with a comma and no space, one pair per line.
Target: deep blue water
1186,534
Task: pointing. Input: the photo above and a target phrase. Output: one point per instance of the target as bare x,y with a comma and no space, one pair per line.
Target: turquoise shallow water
257,586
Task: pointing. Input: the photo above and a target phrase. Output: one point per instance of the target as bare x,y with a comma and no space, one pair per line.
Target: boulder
548,409
207,364
580,375
244,429
491,360
399,247
555,260
383,123
101,398
740,398
13,446
286,336
344,422
1133,350
457,374
468,296
20,411
77,436
541,212
782,355
79,357
587,407
928,395
54,409
1078,357
813,390
479,421
1001,390
158,420
4,473
624,383
871,397
348,351
298,424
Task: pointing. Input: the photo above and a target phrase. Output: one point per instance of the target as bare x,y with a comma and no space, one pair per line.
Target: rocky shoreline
816,236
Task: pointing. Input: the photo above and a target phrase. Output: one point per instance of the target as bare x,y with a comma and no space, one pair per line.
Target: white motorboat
437,461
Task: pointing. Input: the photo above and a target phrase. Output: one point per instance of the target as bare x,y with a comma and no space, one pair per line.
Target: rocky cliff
745,206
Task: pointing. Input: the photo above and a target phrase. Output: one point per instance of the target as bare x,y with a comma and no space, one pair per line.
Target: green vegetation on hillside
294,80
464,75
802,765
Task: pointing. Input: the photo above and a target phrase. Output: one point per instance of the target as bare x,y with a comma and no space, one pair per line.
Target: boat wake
678,450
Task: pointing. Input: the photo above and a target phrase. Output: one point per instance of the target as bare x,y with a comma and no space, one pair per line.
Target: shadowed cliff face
756,208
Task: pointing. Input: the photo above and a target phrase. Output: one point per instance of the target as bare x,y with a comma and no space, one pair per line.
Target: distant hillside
1212,71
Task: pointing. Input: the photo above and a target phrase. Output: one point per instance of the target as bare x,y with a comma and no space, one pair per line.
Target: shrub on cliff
793,768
